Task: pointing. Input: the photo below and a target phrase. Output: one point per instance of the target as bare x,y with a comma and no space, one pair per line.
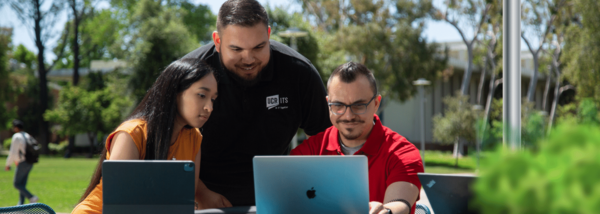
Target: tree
160,37
458,121
41,21
538,16
564,16
79,11
95,112
309,46
7,89
582,50
474,13
384,35
199,20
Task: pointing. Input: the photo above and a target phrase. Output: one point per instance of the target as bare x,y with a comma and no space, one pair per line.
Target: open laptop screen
148,186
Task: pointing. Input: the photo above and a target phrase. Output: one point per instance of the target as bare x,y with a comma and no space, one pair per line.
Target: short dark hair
349,71
245,13
18,124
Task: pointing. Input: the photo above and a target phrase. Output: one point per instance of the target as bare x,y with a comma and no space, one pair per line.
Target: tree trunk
456,148
75,43
555,102
533,81
481,83
43,84
91,137
70,147
464,88
547,89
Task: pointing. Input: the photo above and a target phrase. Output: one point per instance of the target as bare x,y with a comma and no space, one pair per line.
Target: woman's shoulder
193,133
132,125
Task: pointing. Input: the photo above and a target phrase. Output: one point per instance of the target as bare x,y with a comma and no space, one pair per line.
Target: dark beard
350,137
243,81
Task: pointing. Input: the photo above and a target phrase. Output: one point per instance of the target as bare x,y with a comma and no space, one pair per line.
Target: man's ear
269,31
377,101
216,40
327,98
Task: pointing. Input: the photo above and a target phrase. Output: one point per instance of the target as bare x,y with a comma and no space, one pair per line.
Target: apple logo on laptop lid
311,193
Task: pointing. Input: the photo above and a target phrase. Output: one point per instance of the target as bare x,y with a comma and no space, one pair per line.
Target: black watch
388,211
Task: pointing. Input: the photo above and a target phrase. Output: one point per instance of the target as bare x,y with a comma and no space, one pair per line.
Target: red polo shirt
391,157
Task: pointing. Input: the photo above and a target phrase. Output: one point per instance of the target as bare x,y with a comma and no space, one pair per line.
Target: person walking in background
17,155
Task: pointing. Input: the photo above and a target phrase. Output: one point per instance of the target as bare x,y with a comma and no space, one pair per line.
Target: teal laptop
148,186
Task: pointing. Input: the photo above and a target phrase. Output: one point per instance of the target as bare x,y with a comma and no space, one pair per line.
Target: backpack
31,151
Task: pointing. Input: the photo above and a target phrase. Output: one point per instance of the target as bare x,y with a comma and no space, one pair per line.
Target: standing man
17,156
393,161
266,92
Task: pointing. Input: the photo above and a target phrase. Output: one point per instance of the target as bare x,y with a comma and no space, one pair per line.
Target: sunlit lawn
60,182
443,162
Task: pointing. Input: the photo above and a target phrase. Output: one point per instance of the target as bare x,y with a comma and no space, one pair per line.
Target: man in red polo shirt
393,161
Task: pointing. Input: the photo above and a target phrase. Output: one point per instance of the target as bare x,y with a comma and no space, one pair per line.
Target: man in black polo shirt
266,92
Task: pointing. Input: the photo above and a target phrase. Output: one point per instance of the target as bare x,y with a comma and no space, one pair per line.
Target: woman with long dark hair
164,126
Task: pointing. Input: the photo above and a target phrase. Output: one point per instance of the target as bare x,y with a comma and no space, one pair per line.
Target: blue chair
36,208
422,209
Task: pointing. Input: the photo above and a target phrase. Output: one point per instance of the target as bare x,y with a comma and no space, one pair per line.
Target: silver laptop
311,184
448,193
148,186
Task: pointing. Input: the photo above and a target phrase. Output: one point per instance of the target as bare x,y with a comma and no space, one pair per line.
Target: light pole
511,63
421,83
293,33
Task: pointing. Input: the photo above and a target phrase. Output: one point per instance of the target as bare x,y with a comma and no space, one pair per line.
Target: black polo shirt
258,120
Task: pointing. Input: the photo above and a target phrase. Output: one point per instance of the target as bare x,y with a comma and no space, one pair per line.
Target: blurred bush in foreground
561,177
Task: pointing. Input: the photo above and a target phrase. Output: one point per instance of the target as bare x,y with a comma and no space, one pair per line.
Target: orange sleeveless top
186,147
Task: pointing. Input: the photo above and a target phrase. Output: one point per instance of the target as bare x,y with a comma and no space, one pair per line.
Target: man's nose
248,57
348,115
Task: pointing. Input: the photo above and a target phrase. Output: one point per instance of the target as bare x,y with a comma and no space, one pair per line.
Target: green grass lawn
58,182
443,162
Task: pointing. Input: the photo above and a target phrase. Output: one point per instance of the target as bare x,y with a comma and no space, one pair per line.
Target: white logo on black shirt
274,101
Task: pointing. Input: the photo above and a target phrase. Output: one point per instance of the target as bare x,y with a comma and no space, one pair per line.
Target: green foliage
58,148
533,126
584,111
309,46
383,35
23,55
199,20
159,38
561,177
458,120
582,50
6,143
94,112
7,89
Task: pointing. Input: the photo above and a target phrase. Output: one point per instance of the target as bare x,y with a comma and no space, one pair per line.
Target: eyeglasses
358,108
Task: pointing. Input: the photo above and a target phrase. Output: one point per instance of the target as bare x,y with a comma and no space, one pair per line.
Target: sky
436,31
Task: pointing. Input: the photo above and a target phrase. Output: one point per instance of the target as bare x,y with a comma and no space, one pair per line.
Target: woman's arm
122,147
197,163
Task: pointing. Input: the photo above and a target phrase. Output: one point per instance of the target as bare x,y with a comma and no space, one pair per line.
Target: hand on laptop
376,208
208,199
